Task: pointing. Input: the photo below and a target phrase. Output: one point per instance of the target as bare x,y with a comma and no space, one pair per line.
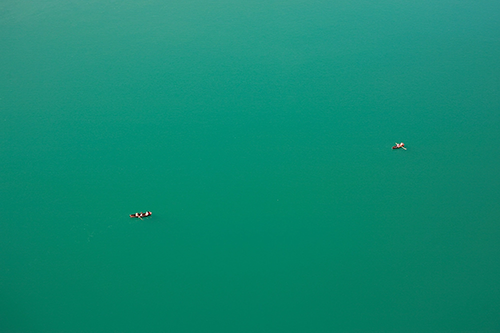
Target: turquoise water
259,135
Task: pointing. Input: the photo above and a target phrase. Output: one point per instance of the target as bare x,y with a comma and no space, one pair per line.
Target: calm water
259,135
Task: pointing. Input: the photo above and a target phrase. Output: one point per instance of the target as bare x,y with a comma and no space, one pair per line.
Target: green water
259,134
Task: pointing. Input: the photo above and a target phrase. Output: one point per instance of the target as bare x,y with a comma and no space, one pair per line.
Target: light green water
259,136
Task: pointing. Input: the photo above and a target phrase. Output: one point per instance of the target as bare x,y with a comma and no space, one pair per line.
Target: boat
399,145
141,215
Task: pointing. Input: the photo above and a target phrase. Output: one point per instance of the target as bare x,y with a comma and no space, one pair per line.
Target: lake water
259,134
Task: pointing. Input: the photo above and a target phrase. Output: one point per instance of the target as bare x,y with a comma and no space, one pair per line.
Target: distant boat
399,145
140,215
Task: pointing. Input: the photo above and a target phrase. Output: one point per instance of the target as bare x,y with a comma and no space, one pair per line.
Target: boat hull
141,215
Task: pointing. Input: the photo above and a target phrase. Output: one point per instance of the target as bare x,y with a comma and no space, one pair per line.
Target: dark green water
259,134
